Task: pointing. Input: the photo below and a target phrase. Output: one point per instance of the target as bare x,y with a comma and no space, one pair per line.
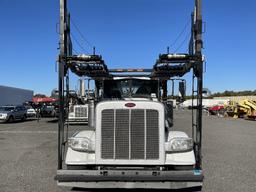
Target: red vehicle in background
44,100
217,110
46,106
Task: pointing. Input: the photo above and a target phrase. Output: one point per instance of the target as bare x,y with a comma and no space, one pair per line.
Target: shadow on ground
18,121
52,121
193,189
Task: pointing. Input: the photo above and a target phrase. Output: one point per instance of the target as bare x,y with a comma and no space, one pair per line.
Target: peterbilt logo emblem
130,104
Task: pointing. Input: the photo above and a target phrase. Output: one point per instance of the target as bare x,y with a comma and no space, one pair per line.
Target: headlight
81,144
179,144
4,115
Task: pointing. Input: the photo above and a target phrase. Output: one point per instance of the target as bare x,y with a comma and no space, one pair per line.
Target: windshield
6,108
130,88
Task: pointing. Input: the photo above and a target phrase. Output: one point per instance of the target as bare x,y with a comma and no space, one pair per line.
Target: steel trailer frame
166,67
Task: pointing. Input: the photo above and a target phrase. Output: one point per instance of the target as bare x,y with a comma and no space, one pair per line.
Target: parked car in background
47,111
12,113
31,112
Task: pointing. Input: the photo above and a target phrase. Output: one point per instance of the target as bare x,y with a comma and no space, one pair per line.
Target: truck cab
132,144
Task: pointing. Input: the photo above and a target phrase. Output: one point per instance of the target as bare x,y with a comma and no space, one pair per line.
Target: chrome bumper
129,179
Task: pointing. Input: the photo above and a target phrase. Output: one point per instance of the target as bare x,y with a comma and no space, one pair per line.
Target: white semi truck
130,141
78,113
78,105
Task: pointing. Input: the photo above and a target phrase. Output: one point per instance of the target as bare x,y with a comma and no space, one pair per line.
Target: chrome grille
81,111
137,134
122,134
152,135
107,147
129,134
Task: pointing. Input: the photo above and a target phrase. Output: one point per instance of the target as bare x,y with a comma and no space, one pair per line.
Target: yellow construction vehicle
243,108
232,110
250,108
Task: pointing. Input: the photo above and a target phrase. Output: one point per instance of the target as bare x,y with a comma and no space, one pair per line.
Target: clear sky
129,34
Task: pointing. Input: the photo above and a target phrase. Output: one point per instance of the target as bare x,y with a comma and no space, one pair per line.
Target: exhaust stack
91,113
81,87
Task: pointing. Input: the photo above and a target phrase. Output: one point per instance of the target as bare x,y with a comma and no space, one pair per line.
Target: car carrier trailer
130,143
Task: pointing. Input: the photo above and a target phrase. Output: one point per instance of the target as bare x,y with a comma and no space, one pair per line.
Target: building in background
14,96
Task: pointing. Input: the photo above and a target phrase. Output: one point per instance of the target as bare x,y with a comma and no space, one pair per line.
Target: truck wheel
24,118
11,119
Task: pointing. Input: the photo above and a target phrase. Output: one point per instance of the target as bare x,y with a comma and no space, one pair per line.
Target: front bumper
3,119
31,114
130,179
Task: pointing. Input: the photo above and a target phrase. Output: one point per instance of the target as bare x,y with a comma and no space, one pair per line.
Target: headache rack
166,67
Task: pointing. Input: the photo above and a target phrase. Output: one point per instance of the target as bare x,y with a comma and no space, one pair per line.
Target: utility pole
63,52
199,74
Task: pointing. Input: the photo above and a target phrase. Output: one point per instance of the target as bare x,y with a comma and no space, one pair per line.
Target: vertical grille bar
122,134
145,135
152,134
129,147
107,135
114,138
137,134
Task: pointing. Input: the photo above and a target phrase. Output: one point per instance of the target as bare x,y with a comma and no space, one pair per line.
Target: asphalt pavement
28,154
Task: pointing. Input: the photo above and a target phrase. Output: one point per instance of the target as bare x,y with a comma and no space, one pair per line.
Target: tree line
224,94
234,93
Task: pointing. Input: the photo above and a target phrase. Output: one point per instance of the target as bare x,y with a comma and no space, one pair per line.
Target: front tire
24,118
11,119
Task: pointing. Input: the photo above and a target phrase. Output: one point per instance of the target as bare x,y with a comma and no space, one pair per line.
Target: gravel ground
28,151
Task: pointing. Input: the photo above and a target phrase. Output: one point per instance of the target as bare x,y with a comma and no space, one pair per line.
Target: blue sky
128,33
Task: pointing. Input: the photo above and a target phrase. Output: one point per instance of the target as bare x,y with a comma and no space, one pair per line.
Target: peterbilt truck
130,141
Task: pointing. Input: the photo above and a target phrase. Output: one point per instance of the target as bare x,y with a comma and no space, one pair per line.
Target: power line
81,34
77,42
75,51
181,33
182,43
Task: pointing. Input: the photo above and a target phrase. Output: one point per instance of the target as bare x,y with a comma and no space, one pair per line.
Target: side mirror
182,90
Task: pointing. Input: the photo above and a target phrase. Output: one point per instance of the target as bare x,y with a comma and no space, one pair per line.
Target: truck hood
137,99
